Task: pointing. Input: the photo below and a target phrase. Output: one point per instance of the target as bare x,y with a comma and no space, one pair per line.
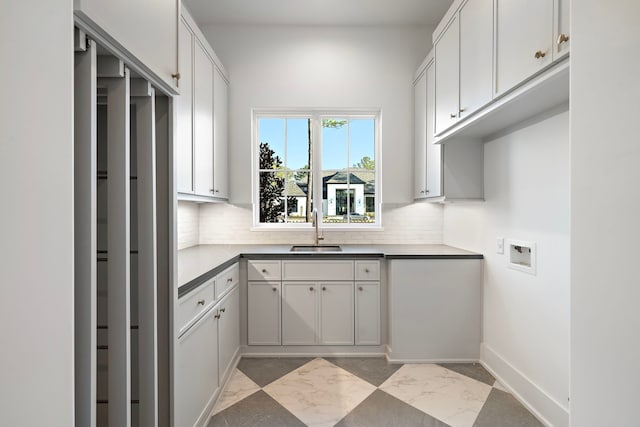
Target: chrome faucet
314,223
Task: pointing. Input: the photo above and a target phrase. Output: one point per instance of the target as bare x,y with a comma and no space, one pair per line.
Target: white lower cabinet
299,313
336,313
263,307
435,309
367,316
196,377
228,331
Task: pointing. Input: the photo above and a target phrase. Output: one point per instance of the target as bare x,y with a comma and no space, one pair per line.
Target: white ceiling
318,12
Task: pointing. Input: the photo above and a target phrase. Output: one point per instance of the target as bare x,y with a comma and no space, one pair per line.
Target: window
316,158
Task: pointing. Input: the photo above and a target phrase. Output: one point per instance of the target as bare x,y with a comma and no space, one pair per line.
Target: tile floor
364,392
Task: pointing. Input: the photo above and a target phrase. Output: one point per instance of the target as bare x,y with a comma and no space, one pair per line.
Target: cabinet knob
201,302
230,279
311,288
264,270
360,288
175,76
562,38
212,191
216,191
324,288
462,110
426,191
274,289
366,270
540,54
222,310
422,192
453,115
217,316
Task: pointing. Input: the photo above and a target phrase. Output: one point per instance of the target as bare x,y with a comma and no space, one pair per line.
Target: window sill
374,228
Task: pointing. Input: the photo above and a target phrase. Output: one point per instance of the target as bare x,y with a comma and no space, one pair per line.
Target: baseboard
312,351
409,360
544,407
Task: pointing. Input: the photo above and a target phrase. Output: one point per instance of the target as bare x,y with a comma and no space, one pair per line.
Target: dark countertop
199,263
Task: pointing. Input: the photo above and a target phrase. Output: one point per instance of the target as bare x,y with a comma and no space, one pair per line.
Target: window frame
316,116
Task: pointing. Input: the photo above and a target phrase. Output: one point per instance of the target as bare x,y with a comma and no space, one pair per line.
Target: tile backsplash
213,223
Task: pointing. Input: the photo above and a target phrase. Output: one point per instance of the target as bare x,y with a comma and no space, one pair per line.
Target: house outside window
313,157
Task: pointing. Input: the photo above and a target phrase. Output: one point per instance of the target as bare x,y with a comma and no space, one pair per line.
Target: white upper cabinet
202,121
220,135
420,135
562,29
184,104
464,63
524,40
434,151
146,29
202,144
476,55
447,76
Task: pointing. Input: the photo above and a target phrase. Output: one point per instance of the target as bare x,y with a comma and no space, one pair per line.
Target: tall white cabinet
202,164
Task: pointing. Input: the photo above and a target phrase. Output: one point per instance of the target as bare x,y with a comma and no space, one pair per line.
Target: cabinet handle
201,302
175,76
540,54
311,288
274,289
453,115
217,316
562,38
230,279
222,310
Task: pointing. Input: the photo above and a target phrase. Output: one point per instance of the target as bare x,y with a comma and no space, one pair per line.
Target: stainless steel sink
313,248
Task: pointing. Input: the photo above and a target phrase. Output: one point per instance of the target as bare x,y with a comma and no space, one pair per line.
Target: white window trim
316,115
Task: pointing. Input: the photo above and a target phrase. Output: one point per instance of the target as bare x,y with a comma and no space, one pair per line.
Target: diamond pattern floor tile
383,410
446,395
341,391
239,387
319,393
375,370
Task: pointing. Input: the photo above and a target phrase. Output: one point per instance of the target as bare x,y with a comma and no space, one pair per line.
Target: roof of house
355,176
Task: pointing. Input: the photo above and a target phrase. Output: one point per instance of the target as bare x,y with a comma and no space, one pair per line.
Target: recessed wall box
522,256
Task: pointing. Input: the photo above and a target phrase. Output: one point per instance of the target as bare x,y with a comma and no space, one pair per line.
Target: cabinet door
203,121
476,55
367,313
197,370
336,313
220,136
228,330
561,35
447,77
299,313
524,34
434,151
420,136
263,306
185,111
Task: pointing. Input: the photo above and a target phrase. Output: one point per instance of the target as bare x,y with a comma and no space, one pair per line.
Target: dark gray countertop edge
418,256
195,283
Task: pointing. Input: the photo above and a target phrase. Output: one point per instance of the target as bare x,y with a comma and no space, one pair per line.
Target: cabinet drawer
194,304
264,270
227,279
317,270
367,270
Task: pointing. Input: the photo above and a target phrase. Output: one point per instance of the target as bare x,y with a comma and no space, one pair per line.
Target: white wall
526,317
36,219
323,67
605,206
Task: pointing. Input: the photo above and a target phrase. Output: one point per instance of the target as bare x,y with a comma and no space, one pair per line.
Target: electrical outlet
499,245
